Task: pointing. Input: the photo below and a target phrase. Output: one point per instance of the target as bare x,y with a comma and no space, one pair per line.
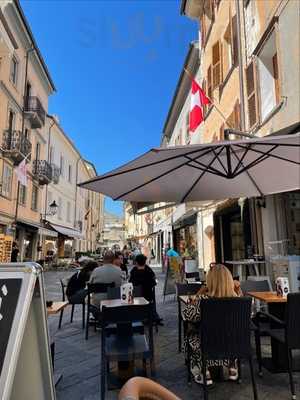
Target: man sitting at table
106,273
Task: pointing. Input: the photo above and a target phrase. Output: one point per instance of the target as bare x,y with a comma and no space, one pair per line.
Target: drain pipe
48,157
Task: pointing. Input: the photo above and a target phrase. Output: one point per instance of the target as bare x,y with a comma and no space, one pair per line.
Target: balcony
55,174
42,171
34,112
16,146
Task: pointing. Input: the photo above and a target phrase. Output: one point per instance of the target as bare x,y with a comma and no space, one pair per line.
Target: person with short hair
142,275
106,273
120,262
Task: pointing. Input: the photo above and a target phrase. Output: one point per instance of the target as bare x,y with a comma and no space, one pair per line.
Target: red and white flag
198,100
21,172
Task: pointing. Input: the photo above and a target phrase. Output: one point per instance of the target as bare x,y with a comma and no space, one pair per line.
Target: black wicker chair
125,345
288,335
183,289
95,288
225,334
63,291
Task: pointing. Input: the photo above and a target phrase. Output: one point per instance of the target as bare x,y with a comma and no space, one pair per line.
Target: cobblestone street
79,360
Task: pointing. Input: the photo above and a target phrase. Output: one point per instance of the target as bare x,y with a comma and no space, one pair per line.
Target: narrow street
79,360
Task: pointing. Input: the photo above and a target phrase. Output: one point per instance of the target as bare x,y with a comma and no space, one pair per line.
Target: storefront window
292,215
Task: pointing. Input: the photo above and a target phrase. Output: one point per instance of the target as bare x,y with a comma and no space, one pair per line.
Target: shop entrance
232,228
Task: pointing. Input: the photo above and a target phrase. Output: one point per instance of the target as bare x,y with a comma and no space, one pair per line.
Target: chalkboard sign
173,275
25,359
9,296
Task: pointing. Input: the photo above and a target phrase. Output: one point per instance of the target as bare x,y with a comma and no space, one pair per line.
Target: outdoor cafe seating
224,335
63,291
125,345
96,320
284,334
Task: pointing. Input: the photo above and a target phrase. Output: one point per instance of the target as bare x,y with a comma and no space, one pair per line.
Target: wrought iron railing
33,104
16,144
42,171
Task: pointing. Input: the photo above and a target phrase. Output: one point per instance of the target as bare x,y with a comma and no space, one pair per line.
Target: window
14,71
34,198
27,134
51,155
60,207
234,119
269,84
70,173
251,94
37,151
22,195
62,165
68,211
216,64
6,180
230,44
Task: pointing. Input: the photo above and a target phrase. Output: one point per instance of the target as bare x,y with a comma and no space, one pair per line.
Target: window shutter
216,64
234,40
203,31
222,132
276,78
212,9
237,116
204,89
209,82
251,94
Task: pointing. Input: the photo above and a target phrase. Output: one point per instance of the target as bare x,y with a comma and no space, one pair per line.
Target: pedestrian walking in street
14,252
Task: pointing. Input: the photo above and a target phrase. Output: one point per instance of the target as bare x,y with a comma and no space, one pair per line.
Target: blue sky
115,65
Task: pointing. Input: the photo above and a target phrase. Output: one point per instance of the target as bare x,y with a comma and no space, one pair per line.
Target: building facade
113,231
54,165
25,85
246,52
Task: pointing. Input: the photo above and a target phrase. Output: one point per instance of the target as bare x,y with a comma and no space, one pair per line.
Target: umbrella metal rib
201,175
159,176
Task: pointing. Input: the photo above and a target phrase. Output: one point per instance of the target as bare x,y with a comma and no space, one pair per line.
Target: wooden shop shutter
217,64
251,94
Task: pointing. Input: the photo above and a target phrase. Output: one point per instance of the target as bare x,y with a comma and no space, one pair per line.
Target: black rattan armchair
225,334
287,332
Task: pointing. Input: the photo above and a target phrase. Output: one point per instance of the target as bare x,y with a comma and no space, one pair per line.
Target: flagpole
217,109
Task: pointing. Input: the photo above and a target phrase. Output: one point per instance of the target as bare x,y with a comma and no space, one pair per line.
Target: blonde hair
219,282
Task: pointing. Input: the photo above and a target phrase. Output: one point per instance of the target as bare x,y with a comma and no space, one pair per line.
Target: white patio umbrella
214,171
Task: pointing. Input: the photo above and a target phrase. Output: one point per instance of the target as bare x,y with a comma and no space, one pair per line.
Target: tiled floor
79,360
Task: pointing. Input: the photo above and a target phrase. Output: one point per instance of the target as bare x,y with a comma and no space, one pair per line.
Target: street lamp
52,208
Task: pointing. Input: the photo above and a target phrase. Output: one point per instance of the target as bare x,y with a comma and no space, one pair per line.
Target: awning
72,233
187,219
47,232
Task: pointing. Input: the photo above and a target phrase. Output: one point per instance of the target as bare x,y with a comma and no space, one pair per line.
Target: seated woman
219,283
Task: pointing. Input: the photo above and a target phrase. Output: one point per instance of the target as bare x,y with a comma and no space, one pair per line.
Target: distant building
114,231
